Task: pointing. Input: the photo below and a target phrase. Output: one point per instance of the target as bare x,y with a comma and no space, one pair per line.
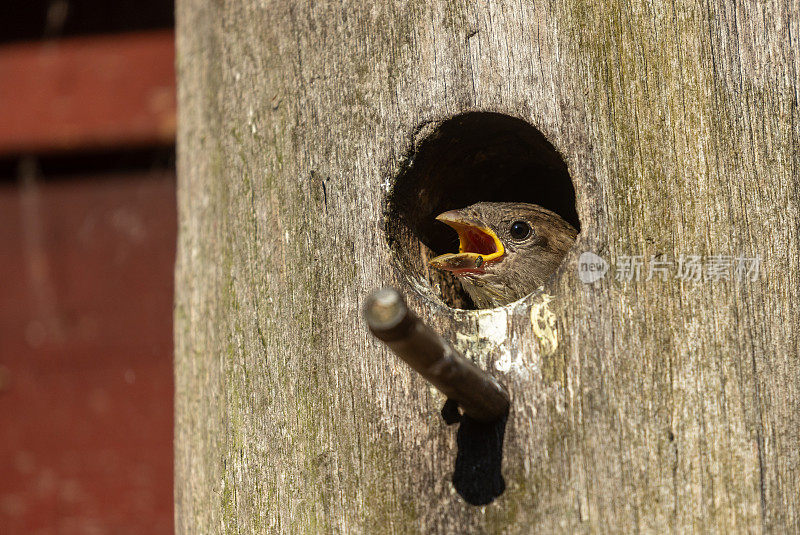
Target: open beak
478,244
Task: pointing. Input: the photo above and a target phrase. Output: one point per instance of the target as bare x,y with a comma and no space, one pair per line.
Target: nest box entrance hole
469,158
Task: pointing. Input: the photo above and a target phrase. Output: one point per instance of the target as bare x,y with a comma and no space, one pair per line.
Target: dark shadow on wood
478,474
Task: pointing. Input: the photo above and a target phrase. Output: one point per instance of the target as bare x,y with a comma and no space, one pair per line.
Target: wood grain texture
637,406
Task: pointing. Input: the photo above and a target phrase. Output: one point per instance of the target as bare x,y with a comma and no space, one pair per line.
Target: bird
506,249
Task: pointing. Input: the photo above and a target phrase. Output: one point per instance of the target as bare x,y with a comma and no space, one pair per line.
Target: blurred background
87,238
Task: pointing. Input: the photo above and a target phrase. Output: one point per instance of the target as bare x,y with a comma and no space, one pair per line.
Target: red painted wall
86,285
88,92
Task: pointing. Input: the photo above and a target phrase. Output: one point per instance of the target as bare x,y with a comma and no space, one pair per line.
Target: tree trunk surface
637,405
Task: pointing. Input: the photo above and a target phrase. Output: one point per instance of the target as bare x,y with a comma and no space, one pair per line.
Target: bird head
506,250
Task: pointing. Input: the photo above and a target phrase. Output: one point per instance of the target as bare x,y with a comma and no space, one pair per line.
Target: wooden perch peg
478,394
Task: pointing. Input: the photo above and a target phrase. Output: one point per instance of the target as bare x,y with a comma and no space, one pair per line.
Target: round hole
473,157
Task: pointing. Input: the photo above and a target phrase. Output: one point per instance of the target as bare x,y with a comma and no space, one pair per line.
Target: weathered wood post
661,400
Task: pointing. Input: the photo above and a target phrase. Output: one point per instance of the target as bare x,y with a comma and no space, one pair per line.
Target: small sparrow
506,249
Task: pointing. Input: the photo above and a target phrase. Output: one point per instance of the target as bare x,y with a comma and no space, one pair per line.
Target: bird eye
520,230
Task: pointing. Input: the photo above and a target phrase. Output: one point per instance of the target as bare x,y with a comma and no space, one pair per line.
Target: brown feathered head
506,249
